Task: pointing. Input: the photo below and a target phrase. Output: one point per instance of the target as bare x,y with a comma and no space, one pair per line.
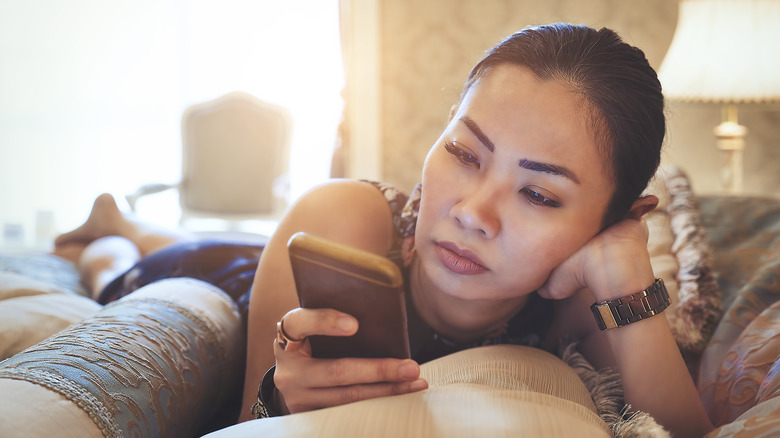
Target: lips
459,261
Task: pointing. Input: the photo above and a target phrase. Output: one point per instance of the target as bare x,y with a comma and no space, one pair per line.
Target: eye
461,155
537,198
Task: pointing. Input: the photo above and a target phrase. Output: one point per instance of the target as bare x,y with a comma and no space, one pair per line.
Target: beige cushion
32,310
30,410
13,285
493,391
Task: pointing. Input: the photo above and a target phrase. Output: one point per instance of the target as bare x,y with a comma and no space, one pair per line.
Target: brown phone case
364,285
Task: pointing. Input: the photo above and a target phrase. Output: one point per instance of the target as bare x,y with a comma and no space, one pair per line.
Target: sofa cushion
500,390
159,362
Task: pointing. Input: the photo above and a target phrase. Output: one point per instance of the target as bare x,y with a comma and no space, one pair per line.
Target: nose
478,211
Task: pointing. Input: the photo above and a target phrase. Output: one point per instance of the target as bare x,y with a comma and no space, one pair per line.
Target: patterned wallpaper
428,48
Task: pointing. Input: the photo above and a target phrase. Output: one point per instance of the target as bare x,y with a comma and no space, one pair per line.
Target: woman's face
512,188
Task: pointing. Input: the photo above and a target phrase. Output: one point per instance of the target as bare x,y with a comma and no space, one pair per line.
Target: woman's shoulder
348,196
349,211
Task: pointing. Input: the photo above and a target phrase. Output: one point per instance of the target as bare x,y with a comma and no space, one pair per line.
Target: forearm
272,296
260,356
655,377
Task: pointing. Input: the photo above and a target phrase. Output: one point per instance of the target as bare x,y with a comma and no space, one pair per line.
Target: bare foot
104,220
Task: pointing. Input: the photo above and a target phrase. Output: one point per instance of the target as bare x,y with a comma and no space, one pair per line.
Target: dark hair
622,91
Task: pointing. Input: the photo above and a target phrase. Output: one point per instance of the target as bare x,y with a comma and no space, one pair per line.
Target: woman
532,190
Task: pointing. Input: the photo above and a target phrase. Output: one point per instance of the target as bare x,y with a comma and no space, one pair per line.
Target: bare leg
105,220
104,260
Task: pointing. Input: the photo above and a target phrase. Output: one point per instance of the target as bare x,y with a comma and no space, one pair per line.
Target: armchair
235,160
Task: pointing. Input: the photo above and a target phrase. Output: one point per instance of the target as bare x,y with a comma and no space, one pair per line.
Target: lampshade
724,51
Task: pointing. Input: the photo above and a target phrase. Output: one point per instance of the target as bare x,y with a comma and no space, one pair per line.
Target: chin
473,288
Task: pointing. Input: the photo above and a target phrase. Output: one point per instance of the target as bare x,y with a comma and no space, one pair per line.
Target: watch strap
635,307
264,408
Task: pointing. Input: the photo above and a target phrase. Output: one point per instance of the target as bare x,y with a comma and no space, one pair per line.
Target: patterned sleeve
404,210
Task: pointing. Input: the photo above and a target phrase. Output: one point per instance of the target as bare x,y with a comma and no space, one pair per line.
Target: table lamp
725,52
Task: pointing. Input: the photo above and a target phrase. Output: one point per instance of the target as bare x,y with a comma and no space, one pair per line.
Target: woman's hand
613,264
306,383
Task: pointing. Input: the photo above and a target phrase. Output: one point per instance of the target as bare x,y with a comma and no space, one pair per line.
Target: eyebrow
552,169
536,166
472,125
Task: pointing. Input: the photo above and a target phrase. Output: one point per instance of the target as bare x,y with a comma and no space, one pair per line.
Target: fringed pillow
681,255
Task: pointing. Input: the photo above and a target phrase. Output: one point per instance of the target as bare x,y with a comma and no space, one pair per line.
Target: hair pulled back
621,91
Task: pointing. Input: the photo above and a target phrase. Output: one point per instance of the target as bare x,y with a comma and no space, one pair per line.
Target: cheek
545,246
434,168
558,249
432,207
437,183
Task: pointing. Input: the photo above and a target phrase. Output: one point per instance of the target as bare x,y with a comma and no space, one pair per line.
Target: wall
428,48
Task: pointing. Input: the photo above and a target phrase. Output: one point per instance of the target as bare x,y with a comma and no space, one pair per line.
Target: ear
642,206
453,110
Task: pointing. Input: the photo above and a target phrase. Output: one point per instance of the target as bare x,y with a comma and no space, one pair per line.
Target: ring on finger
285,341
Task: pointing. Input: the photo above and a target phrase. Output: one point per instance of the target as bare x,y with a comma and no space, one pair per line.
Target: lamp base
731,141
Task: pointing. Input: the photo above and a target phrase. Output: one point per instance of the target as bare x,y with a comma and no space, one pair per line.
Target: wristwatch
633,308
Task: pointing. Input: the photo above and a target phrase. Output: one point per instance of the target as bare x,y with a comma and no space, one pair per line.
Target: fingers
335,396
562,282
567,278
310,322
300,323
322,373
286,342
352,371
308,383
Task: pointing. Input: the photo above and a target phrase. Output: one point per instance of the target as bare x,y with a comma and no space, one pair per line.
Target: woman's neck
461,321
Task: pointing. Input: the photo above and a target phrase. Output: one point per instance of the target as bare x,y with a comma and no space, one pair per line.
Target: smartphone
365,285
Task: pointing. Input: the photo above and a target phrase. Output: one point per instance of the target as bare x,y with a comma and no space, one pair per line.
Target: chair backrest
235,150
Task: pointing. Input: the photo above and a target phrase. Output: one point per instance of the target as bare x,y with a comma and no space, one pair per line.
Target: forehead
542,119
